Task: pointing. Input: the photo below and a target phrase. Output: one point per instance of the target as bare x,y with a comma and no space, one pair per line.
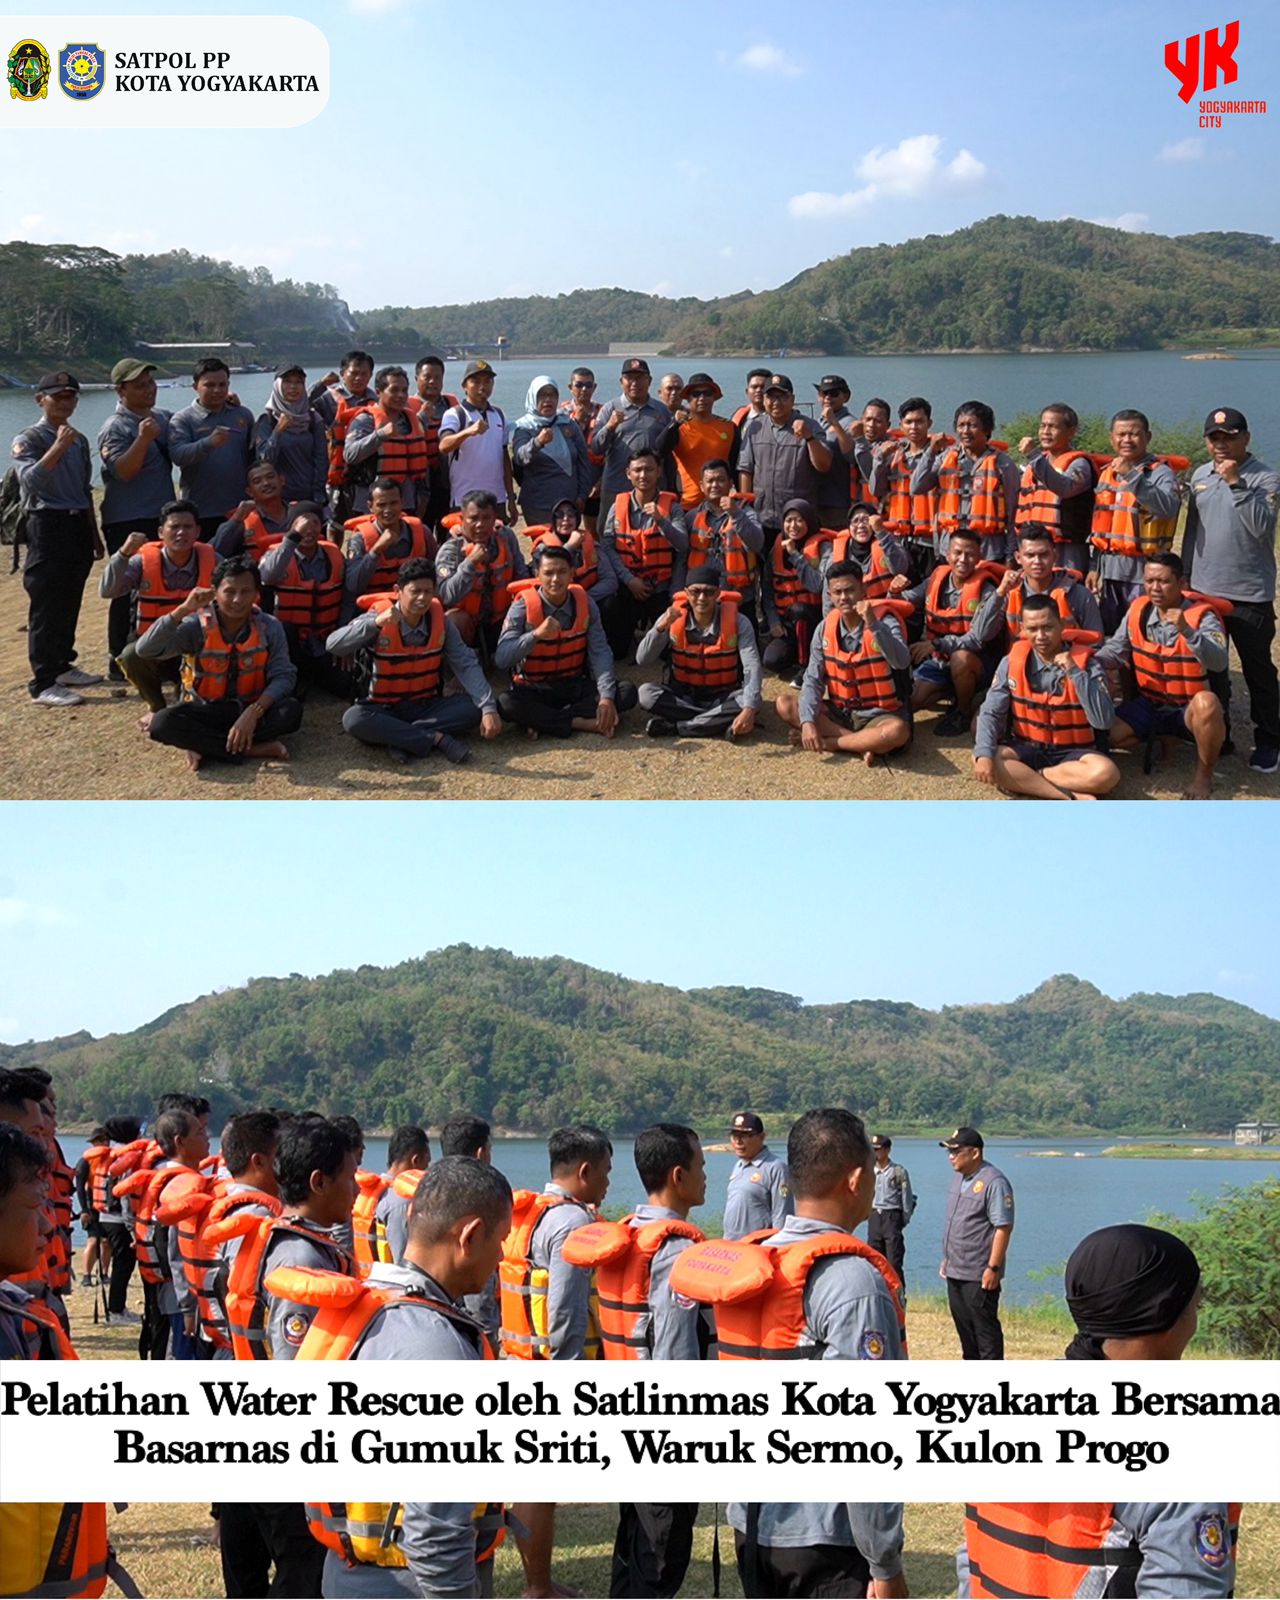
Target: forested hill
530,1043
1007,283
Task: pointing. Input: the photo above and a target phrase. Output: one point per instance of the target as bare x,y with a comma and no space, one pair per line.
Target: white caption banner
162,72
942,1430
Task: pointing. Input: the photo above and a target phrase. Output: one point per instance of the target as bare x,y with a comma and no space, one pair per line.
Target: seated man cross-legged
713,679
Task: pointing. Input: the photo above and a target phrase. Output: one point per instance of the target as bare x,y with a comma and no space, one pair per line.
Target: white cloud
32,221
910,170
1127,221
769,58
662,288
1185,150
1233,975
15,913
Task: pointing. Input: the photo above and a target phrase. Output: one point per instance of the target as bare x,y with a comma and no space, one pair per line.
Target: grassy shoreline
1183,1152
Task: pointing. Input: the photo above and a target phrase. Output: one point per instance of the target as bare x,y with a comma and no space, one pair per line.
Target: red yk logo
1218,55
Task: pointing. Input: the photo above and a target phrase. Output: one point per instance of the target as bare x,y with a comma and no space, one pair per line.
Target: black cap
704,575
831,384
53,381
1225,420
478,369
963,1139
636,366
779,380
702,380
881,1141
286,367
746,1122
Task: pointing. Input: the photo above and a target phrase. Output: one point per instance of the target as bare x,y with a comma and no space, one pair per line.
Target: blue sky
117,912
680,149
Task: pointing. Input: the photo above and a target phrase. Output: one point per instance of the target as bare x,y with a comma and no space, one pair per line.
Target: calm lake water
1058,1200
1168,388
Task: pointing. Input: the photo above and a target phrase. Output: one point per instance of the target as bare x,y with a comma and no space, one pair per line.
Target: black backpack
13,518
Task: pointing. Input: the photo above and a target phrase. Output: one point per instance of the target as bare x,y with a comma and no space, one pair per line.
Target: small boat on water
1210,355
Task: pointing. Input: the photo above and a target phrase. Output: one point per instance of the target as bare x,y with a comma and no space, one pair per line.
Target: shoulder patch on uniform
295,1328
784,1189
683,1301
979,1186
871,1345
1211,1540
1008,1197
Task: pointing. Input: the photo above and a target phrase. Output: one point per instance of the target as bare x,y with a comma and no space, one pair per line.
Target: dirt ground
95,752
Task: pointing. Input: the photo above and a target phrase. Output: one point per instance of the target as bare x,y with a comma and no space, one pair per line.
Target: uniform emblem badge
755,1177
1211,1540
979,1186
1219,416
295,1328
80,71
871,1345
28,70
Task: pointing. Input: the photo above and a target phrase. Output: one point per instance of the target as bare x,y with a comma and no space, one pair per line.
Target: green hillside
530,1043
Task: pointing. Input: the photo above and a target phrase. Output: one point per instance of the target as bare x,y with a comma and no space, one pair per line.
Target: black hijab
1125,1281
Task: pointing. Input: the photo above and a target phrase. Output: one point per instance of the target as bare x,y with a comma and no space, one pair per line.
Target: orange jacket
1167,673
1067,520
347,412
737,563
1013,602
1120,526
311,605
154,600
644,551
860,680
878,576
789,594
588,568
371,1186
715,664
402,671
387,570
988,514
956,619
907,514
563,657
220,670
622,1258
1057,719
402,455
246,1294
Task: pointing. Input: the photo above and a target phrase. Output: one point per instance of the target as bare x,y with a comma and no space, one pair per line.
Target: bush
1237,1242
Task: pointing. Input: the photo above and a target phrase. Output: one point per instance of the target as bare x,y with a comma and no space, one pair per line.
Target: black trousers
884,1233
621,613
1252,628
976,1314
203,726
153,1335
255,1536
120,612
772,1571
59,560
319,672
652,1549
123,1260
552,707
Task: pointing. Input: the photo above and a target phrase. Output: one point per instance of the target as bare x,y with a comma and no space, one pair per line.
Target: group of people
438,1259
362,538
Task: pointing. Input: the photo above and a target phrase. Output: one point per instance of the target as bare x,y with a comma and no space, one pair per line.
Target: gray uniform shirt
287,1322
657,642
460,657
893,647
391,1215
165,638
213,476
229,539
123,574
1230,536
1085,612
780,466
848,1310
995,547
152,484
457,574
1046,678
569,1287
649,426
67,486
1207,642
894,1191
517,640
976,1207
759,1195
675,1331
300,455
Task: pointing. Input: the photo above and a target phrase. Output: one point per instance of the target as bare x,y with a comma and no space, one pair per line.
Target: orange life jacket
956,619
522,1287
401,671
1067,520
860,680
906,514
246,1294
622,1258
878,575
644,551
431,423
347,412
62,1191
402,455
371,1533
1057,720
220,670
564,657
859,490
724,548
154,600
258,538
48,1337
988,513
1049,1550
99,1158
758,1291
201,1259
56,1551
714,664
587,570
311,605
1013,603
127,1162
1167,673
789,594
495,580
370,1186
149,1186
1120,526
384,575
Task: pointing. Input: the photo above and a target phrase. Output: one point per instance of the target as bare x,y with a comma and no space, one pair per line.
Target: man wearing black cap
783,455
137,478
54,473
759,1194
975,1241
893,1207
632,422
1229,546
842,435
713,682
473,439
